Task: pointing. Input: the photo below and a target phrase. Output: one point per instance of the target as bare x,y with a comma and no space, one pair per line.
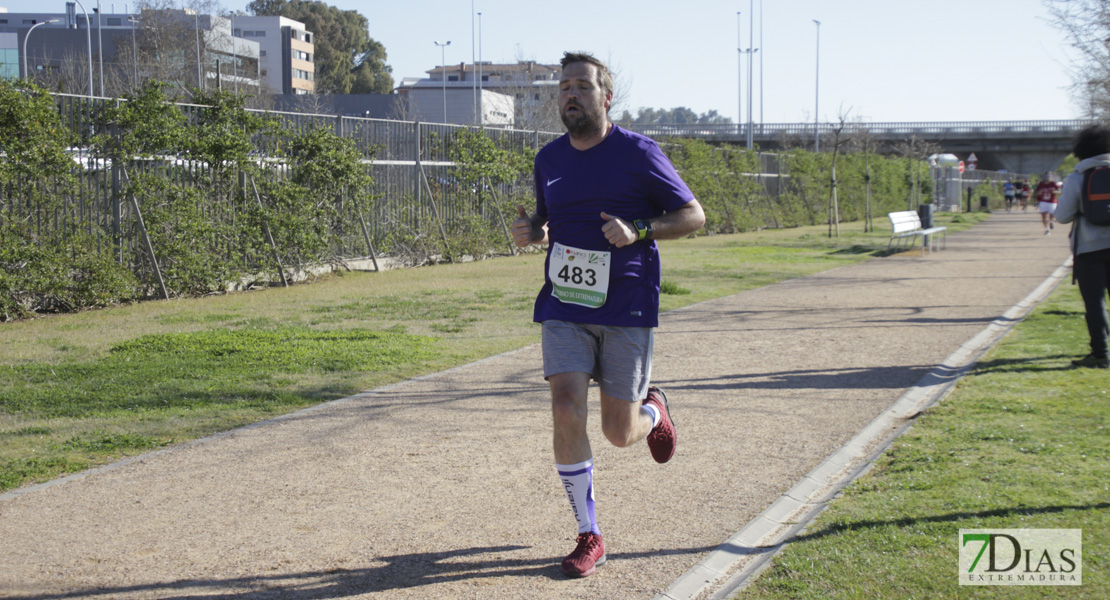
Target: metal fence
899,130
415,181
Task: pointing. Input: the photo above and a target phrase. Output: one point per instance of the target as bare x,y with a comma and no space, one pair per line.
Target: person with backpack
1086,201
1046,201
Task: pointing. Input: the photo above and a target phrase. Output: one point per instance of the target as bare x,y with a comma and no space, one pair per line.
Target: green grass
1021,443
177,370
81,390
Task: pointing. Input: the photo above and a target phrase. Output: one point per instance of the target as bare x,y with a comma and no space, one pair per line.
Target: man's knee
568,399
566,411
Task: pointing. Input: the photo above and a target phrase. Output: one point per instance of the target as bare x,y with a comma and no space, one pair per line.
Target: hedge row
237,216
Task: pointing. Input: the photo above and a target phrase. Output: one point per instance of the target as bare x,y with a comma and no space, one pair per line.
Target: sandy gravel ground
444,487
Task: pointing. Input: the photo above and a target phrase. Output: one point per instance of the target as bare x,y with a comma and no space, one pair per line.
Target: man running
1046,201
603,196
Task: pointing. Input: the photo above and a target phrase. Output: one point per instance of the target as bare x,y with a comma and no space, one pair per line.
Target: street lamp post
751,121
201,83
481,117
100,46
761,67
234,66
443,73
88,39
739,78
473,60
27,73
751,51
134,53
817,93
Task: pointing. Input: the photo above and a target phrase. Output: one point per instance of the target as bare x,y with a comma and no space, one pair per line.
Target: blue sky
880,60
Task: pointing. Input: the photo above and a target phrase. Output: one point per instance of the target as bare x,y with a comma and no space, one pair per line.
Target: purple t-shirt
626,176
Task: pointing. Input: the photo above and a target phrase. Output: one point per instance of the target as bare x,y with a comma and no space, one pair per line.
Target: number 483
578,275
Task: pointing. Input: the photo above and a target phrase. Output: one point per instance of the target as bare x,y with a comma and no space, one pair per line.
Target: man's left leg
630,410
625,423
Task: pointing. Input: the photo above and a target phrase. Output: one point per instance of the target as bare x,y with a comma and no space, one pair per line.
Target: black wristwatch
644,230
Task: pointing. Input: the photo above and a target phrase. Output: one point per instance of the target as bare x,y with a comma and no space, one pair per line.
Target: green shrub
62,272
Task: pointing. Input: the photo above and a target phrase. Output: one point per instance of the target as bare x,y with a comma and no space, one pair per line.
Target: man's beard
582,124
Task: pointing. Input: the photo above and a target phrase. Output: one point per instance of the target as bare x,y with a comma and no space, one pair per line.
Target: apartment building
286,52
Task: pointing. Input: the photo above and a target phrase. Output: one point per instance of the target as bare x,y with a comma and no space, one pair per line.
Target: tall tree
348,60
1087,25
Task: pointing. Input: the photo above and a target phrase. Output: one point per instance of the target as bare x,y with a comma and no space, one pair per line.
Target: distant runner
1046,201
1023,192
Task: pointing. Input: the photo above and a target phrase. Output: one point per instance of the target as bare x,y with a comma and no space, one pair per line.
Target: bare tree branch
1087,26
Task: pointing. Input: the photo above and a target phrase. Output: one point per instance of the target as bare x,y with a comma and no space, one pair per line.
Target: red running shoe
585,559
662,440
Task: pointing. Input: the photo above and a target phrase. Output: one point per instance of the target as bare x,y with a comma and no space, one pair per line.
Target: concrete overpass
1015,146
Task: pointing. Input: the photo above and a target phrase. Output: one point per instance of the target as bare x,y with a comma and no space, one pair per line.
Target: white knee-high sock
578,481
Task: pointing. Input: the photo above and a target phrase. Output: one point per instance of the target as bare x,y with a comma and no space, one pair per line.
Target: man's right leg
568,411
574,461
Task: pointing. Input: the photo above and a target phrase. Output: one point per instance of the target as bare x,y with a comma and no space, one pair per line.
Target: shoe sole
670,417
592,570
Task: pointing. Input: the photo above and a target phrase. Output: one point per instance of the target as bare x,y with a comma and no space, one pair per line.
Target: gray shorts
618,358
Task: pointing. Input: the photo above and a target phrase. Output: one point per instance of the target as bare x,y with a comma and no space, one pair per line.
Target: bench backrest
905,220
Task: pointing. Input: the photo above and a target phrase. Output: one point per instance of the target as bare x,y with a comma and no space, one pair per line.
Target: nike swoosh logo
551,181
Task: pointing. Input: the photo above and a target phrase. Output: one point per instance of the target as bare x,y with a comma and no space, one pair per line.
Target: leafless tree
168,44
622,82
537,107
402,110
839,140
165,47
69,76
314,104
916,150
1087,26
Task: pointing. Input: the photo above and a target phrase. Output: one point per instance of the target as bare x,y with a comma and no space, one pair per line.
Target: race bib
579,276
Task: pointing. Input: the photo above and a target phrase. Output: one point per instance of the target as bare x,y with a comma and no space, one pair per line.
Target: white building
425,102
532,87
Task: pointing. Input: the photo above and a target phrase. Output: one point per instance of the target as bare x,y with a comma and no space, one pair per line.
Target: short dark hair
604,75
1092,141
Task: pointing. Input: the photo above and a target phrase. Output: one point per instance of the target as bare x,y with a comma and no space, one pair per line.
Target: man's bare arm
679,223
671,226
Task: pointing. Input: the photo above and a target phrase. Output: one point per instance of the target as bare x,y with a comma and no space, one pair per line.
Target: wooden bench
907,224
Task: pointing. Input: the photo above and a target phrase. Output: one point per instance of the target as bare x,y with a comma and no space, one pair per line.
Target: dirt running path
444,487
